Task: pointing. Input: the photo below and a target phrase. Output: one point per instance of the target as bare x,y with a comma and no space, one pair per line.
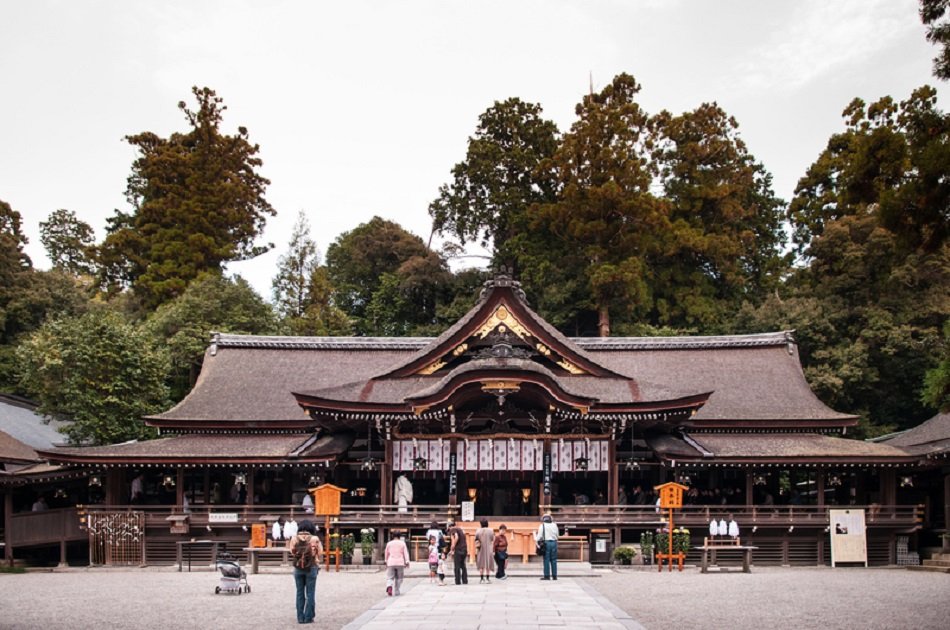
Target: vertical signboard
546,474
453,474
849,540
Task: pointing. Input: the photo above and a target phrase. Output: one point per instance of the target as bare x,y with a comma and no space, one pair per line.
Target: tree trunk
603,321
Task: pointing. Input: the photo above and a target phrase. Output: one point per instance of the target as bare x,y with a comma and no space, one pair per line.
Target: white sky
362,108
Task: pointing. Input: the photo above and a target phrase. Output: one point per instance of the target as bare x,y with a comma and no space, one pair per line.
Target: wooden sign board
849,539
258,535
326,499
671,494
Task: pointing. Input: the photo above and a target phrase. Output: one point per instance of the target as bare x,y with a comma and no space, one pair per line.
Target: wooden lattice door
116,538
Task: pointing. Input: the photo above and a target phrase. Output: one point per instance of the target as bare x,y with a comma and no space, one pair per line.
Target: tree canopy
933,13
605,216
69,242
211,303
385,278
499,179
98,370
198,202
725,222
870,220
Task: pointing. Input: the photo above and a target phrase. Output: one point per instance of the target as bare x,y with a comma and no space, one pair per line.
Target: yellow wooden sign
671,494
326,499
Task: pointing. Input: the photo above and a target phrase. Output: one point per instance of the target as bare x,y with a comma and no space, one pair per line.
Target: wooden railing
44,528
758,515
419,516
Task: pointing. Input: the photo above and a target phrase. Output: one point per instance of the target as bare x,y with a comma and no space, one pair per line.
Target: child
441,570
433,559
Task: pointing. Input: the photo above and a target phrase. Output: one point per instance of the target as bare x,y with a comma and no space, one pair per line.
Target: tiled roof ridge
779,338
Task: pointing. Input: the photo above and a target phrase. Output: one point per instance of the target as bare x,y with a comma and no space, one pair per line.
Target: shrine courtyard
768,597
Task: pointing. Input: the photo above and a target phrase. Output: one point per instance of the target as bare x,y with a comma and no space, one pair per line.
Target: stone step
936,563
930,569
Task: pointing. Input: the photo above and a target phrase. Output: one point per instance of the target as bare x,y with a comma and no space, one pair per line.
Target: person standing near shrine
307,551
403,492
137,493
546,536
458,549
397,560
500,547
484,551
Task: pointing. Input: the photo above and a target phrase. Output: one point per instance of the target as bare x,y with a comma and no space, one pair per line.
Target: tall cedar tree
726,221
291,286
499,179
198,202
606,225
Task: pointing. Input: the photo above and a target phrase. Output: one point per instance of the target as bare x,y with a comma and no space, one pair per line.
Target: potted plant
347,544
624,554
646,547
367,540
681,540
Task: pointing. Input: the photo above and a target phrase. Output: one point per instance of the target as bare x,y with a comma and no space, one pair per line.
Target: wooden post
613,474
820,490
7,524
180,490
386,475
749,486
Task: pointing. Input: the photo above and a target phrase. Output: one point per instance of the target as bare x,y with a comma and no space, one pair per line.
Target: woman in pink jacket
397,560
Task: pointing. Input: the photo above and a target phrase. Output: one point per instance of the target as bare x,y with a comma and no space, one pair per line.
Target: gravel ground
800,598
150,598
776,597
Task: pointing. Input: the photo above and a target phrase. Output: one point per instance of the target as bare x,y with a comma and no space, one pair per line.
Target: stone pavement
523,603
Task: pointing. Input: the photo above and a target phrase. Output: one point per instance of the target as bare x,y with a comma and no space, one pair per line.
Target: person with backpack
307,551
397,560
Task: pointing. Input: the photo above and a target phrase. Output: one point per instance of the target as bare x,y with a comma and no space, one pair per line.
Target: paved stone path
524,603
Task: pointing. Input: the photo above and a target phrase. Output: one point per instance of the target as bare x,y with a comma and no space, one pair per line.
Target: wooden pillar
888,490
820,487
613,474
250,485
946,510
386,475
7,525
180,486
116,493
749,486
207,486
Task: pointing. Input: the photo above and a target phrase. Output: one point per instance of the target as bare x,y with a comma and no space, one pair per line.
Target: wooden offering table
253,554
714,549
187,545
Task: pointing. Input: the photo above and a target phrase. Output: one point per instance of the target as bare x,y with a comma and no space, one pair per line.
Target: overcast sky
362,108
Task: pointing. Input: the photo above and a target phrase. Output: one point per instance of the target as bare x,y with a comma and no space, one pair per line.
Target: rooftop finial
503,278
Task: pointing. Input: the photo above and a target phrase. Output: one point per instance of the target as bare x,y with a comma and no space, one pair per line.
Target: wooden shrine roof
927,438
208,448
734,448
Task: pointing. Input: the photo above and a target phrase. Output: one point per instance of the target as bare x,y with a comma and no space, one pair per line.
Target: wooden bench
713,550
253,554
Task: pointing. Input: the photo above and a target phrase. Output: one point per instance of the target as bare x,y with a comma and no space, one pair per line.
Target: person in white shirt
403,492
547,534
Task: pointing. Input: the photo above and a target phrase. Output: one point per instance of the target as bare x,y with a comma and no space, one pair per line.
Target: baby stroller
231,575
